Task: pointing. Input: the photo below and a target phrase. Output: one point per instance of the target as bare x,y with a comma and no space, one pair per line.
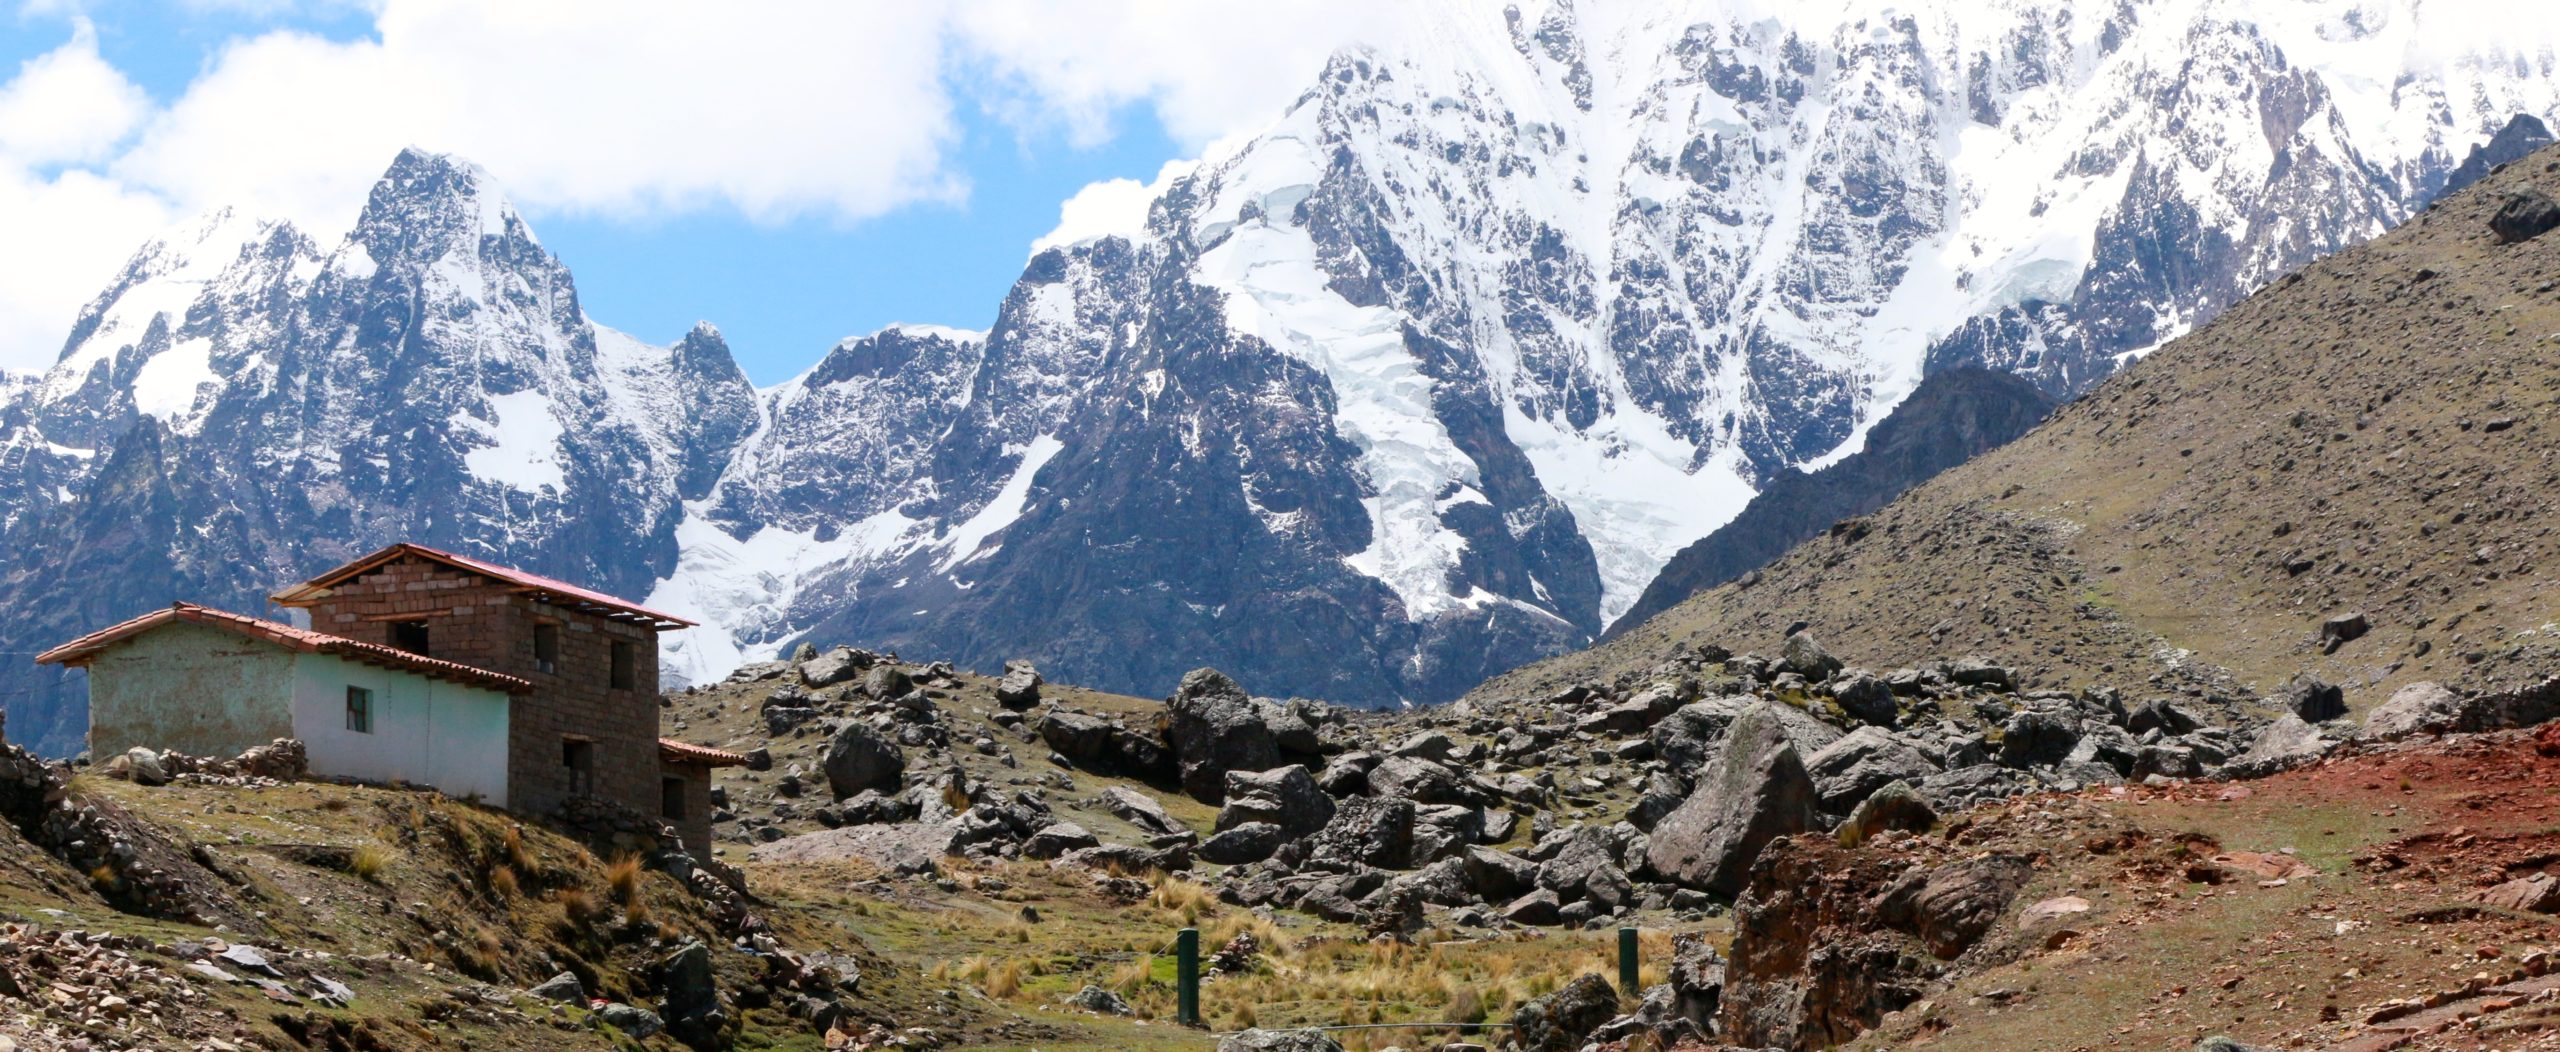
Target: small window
626,673
546,646
360,710
578,756
671,798
410,636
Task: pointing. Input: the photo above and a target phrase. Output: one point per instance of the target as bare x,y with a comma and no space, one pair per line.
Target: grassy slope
2341,417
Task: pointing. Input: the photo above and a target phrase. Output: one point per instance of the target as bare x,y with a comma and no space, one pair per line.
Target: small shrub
623,877
369,861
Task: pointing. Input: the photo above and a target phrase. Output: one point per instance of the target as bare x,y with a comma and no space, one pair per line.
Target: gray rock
2161,715
564,988
1757,791
1975,672
2311,699
691,1004
1426,745
1559,1021
1443,830
1020,687
1058,838
1895,806
1865,697
1497,875
2038,738
1419,780
2286,743
632,1019
1287,797
2525,216
1366,830
1538,909
1140,810
1096,999
1585,869
1214,728
832,667
884,682
1690,737
1347,774
1804,656
1250,842
858,758
2224,1044
2425,707
1278,1041
1861,762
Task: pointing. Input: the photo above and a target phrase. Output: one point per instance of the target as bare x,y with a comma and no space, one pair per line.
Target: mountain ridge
1427,380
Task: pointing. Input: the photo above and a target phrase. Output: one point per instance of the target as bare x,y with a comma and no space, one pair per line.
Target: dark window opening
410,636
671,798
626,672
360,710
546,646
579,758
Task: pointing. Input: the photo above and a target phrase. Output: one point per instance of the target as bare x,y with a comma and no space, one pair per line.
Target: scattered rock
2525,216
1559,1021
1020,687
858,758
1756,792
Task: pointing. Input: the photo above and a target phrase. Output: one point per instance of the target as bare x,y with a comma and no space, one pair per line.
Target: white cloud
787,111
1112,206
67,106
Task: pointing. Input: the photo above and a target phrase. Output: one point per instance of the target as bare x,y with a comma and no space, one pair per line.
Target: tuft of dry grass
623,879
502,882
370,861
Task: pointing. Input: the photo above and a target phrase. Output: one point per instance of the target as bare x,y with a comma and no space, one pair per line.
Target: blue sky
815,172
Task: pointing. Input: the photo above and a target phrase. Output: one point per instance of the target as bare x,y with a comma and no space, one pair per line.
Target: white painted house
212,683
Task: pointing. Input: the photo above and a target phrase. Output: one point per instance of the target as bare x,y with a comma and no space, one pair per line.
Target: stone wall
488,624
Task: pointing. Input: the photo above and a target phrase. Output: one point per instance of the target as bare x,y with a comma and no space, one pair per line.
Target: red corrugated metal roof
673,751
310,591
79,652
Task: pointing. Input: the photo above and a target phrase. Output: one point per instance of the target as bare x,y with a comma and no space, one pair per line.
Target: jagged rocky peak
430,205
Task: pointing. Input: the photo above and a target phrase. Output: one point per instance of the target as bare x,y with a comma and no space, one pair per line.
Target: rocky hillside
1953,416
179,902
2347,475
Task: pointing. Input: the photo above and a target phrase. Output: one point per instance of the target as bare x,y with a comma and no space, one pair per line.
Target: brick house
584,724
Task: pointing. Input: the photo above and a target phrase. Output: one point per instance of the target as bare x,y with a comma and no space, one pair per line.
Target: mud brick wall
489,624
695,825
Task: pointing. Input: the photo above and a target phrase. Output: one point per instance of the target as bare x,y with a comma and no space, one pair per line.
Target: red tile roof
561,592
676,752
79,652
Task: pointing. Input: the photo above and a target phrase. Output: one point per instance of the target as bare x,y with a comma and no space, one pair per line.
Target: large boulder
833,666
2525,216
1690,737
2425,707
2038,738
1586,870
1365,831
1020,687
1756,791
2312,699
1865,697
1419,780
1497,875
1214,727
1140,810
1895,806
1099,744
859,758
1861,762
1559,1021
2286,743
1241,844
1285,796
1805,656
691,1007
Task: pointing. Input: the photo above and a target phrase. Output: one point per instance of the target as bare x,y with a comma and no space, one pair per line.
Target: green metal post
1627,978
1186,977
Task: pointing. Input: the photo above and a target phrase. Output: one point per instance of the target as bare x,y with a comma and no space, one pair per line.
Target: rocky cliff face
1427,380
1953,416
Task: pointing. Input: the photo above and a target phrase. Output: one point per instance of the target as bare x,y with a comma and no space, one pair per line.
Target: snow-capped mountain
1424,381
1436,372
242,407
